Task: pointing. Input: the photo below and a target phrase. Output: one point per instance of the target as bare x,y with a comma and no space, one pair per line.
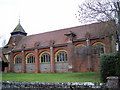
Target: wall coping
112,77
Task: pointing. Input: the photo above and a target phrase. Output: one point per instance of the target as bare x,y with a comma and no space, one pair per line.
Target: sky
37,16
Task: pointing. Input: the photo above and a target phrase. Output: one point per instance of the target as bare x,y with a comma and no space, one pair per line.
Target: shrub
108,66
118,66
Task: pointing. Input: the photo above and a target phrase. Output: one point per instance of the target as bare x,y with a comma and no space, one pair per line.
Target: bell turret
18,30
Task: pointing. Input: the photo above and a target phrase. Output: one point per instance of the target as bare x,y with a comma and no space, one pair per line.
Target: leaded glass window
45,58
62,56
30,59
18,59
98,49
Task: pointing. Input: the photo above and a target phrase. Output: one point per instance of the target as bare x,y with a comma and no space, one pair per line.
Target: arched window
61,56
18,59
30,58
98,48
80,49
45,57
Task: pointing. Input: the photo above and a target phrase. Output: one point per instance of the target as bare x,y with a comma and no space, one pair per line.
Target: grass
52,77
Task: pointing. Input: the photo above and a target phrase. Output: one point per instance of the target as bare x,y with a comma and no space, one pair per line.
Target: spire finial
19,20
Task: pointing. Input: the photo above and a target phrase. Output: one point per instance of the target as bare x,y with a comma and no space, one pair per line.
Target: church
74,49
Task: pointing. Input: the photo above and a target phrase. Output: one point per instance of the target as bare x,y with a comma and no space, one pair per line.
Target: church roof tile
96,29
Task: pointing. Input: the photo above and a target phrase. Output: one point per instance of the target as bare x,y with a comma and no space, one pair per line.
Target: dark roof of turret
19,30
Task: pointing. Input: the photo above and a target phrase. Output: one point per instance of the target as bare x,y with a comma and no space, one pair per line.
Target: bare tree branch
96,10
100,10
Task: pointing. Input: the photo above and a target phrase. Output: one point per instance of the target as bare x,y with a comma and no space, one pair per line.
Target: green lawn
52,77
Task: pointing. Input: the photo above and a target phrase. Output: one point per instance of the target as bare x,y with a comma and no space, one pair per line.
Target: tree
4,43
101,10
2,40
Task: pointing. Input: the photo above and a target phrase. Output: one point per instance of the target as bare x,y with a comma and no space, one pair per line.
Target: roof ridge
68,28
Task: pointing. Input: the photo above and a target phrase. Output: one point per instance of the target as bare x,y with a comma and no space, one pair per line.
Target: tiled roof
58,36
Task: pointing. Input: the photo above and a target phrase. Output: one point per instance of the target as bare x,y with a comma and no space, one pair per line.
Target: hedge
109,65
118,66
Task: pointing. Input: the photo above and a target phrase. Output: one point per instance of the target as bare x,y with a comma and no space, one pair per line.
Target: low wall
43,85
112,83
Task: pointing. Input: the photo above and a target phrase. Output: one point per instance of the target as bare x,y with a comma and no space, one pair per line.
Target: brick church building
75,49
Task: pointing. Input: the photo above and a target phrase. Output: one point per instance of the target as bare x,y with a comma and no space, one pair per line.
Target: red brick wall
80,64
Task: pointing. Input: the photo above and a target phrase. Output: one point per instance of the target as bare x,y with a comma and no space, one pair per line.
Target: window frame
80,45
18,55
43,55
59,54
98,54
32,57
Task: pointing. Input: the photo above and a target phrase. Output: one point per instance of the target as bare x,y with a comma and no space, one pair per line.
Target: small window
30,59
98,49
45,58
62,56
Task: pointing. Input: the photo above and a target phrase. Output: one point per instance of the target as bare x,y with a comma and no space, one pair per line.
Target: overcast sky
37,16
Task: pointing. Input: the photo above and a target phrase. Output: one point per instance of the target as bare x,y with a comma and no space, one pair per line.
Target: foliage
108,66
118,66
53,77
